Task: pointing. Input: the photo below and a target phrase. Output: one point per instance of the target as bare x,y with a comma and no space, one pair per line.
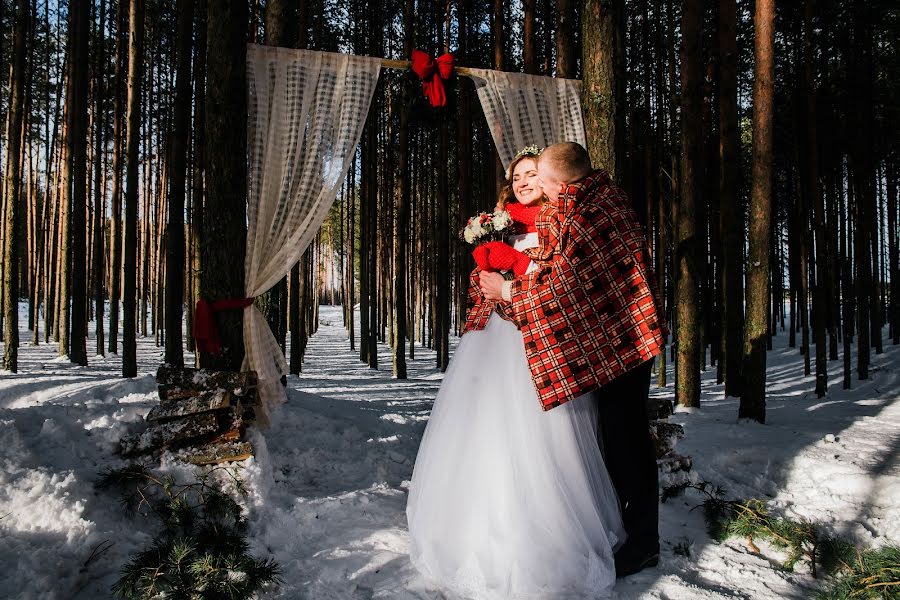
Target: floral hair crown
529,151
532,151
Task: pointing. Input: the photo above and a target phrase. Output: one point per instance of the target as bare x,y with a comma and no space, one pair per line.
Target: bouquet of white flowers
487,227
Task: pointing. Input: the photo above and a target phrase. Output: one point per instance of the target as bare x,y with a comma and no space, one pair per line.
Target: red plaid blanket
590,312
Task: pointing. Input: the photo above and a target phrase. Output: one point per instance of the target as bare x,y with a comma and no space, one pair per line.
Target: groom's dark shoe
631,559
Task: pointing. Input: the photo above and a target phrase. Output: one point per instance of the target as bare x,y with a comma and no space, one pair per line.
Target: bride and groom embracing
536,475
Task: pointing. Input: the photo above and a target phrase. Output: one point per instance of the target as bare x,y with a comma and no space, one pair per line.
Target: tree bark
401,230
115,226
77,184
863,170
499,35
731,215
565,39
893,249
599,87
133,118
224,220
687,244
753,399
13,191
816,202
97,270
198,192
180,136
529,38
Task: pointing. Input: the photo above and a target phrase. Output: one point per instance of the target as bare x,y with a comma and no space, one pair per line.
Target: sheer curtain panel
306,111
529,110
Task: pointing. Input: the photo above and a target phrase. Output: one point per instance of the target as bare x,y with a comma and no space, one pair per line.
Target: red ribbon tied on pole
204,330
433,73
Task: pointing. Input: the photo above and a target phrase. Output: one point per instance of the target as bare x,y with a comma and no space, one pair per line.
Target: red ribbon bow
426,68
204,330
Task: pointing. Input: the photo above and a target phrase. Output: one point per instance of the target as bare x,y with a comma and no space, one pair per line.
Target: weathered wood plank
665,435
164,434
659,408
172,379
674,462
215,454
205,402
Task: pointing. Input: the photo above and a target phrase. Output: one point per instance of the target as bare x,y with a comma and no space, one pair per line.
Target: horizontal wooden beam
405,64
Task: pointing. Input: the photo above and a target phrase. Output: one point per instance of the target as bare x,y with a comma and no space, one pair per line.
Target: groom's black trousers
630,454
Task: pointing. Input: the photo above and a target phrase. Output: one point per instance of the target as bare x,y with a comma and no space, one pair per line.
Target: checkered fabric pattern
478,308
590,312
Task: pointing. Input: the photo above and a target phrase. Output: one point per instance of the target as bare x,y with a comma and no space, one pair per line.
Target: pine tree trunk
529,38
498,35
816,201
99,220
687,246
731,216
13,191
598,96
280,22
77,184
753,398
115,226
401,230
863,168
129,247
198,192
296,359
180,136
893,249
565,39
224,220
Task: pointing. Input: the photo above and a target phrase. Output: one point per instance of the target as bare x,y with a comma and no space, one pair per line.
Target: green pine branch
201,552
863,574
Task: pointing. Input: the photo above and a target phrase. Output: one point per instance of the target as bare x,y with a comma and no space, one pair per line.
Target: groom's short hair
569,160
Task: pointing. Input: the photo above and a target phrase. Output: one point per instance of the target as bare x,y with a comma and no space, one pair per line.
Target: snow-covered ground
328,484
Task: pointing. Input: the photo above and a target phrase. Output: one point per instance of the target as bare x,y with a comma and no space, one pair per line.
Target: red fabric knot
204,330
524,216
426,68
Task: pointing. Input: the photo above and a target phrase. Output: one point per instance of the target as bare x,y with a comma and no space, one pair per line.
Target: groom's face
549,181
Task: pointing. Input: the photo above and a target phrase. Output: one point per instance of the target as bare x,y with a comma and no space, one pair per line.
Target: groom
592,323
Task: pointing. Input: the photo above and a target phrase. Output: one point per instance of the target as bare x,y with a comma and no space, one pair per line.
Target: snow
328,485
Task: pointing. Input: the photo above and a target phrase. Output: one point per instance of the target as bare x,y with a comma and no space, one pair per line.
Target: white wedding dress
507,500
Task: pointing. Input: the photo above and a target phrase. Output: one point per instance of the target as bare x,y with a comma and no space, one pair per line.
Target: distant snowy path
328,485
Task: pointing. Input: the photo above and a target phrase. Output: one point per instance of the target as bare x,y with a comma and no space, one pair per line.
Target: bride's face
525,183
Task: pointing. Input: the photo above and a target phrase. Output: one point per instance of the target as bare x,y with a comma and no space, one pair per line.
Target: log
176,380
665,435
674,462
659,408
205,402
215,454
168,433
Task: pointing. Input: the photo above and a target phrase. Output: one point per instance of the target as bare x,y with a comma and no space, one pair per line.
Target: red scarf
523,216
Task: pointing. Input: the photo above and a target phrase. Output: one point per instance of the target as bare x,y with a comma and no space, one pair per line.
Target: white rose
501,220
469,235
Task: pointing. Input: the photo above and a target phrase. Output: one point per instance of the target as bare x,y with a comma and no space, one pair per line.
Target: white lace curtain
306,111
529,110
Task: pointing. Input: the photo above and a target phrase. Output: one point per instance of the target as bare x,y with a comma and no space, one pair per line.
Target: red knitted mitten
504,257
480,254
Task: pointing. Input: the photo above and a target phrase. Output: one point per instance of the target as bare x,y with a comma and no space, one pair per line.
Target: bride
507,500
